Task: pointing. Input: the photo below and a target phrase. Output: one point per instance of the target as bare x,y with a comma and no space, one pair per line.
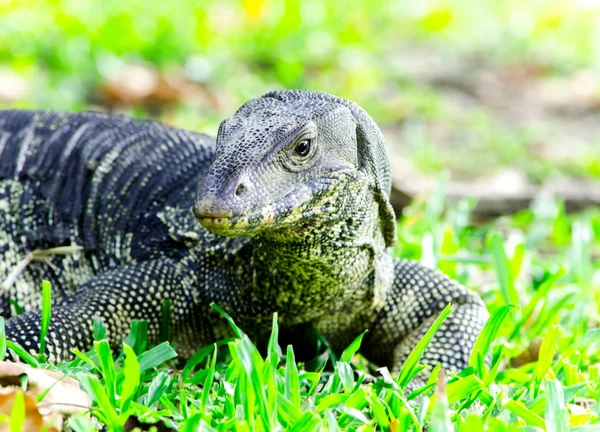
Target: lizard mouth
300,204
234,225
214,221
211,219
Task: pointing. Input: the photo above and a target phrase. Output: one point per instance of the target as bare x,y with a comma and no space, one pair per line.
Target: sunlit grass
241,49
64,52
535,364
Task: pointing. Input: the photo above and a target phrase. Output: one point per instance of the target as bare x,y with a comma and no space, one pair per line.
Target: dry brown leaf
34,420
131,84
64,397
530,355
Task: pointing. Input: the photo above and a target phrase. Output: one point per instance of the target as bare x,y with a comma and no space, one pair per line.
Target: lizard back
92,180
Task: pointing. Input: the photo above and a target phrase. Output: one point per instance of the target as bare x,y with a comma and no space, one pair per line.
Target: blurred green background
498,99
499,91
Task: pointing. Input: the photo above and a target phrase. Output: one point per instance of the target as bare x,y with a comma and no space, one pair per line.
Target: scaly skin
294,217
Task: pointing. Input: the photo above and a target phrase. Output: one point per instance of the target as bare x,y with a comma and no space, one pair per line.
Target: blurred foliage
73,55
62,54
247,47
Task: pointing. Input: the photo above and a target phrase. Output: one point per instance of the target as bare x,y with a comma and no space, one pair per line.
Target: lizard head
285,158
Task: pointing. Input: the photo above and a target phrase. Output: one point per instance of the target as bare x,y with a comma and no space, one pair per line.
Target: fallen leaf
63,396
530,355
29,417
130,84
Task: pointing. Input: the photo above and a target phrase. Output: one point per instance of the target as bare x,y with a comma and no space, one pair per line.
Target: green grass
70,45
538,273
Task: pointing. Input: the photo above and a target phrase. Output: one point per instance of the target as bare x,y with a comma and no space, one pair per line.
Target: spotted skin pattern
286,211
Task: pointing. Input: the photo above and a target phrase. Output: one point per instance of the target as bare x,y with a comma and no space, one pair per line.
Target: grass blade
195,360
463,388
286,410
46,312
157,388
165,320
292,383
352,348
530,418
131,380
107,411
107,365
539,294
487,336
18,413
208,383
2,339
346,375
503,270
557,417
253,364
308,422
273,349
236,330
411,363
440,413
378,408
24,355
137,338
156,356
546,355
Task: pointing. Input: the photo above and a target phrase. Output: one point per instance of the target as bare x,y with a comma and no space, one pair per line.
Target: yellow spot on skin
242,223
268,215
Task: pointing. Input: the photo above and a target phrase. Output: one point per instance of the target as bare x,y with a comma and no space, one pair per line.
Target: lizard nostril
239,191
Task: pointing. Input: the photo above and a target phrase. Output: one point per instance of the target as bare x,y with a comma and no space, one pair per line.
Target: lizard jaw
295,207
270,217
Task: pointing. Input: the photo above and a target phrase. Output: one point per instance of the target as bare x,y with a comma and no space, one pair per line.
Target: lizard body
286,211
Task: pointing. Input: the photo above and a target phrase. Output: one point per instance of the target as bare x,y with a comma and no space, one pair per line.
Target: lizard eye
303,148
299,154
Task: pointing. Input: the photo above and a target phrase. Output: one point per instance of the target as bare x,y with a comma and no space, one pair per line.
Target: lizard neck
336,262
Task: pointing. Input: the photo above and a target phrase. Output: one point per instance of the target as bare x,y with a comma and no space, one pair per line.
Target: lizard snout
222,199
212,208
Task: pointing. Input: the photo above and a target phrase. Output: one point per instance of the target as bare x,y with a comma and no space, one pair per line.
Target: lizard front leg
417,297
134,292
